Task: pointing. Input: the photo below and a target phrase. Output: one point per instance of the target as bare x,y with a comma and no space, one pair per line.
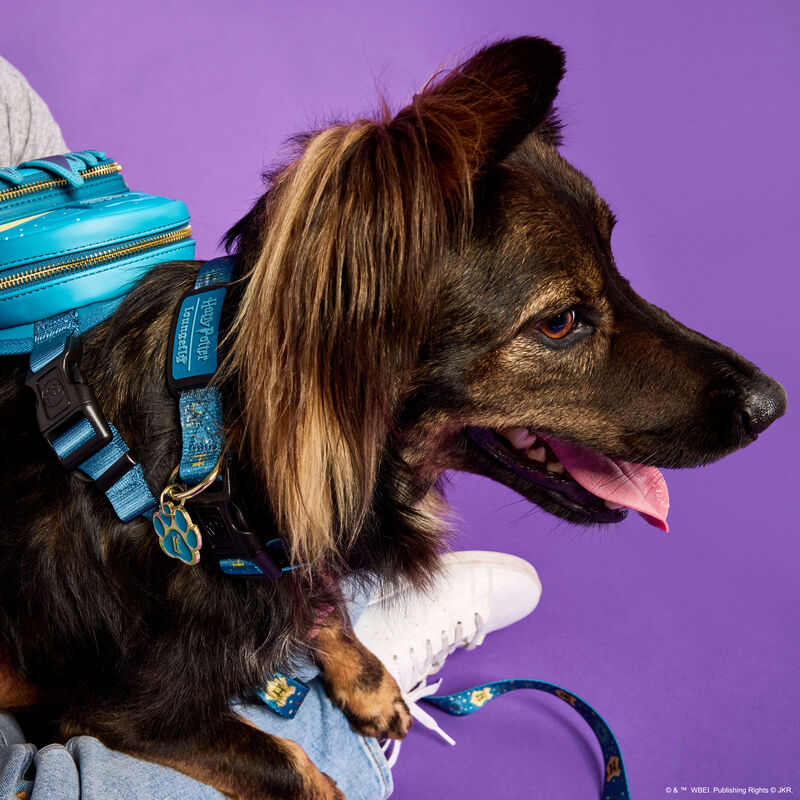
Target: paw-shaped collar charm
178,536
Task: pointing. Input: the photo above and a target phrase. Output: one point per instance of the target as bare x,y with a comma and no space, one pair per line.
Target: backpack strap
72,423
18,340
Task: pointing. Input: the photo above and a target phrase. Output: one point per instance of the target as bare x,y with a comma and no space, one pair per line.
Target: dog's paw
321,787
331,791
378,710
392,722
357,683
313,784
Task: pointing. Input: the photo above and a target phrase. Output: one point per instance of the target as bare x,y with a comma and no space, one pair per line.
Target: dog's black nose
763,402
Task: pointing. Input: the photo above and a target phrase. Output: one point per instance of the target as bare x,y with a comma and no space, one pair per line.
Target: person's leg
412,633
476,593
10,732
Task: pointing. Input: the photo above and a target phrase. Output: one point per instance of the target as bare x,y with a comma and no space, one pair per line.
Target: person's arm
27,131
27,128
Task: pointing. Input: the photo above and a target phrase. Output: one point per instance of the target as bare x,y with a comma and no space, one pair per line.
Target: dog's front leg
358,683
237,759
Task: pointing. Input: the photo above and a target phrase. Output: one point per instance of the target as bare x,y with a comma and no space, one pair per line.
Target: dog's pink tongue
632,485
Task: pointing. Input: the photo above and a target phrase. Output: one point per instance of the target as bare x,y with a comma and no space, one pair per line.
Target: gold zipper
95,258
53,183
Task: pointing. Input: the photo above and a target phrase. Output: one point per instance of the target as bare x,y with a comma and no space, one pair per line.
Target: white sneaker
413,633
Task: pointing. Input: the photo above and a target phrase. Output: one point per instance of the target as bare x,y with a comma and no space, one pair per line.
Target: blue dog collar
194,358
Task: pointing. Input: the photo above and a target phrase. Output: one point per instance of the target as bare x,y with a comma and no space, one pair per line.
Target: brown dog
427,291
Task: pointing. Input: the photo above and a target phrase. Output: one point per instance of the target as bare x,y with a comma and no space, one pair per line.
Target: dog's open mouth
582,480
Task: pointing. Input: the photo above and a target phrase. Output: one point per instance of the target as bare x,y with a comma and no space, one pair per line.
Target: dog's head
436,290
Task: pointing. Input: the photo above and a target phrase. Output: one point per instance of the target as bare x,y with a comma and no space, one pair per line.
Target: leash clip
63,401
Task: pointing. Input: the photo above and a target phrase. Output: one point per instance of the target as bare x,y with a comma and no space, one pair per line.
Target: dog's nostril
764,401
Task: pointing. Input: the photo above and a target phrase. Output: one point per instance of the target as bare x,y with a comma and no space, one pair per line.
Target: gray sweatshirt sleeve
27,128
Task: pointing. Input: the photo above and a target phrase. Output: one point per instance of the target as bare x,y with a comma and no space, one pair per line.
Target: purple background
685,115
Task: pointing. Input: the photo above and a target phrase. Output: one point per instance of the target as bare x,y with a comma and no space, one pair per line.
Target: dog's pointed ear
344,257
494,99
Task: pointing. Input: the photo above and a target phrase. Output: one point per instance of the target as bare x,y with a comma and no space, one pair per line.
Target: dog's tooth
555,466
520,437
537,454
613,506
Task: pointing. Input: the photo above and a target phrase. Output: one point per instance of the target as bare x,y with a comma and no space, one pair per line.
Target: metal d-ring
192,491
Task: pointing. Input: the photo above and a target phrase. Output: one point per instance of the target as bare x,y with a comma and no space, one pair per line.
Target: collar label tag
195,338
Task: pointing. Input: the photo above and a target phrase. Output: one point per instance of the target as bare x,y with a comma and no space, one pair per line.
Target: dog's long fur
394,279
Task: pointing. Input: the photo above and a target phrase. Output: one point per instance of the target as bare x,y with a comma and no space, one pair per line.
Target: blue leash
459,704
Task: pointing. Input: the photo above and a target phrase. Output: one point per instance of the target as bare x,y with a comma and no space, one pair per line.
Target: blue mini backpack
74,240
74,237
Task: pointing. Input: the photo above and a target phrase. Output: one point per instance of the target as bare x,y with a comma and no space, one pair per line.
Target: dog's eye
559,325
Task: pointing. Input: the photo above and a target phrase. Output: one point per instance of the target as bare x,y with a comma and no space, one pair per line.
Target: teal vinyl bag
73,236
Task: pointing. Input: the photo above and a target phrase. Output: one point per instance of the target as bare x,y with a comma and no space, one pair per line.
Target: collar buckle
63,401
228,533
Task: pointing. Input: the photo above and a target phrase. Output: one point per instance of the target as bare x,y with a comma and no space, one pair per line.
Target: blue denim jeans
85,769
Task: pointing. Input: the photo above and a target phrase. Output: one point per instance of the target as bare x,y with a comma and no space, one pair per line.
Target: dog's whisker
510,504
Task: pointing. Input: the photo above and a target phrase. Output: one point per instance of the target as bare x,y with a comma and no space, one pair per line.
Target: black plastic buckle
226,528
63,399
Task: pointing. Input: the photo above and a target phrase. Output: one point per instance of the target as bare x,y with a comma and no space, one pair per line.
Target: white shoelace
412,671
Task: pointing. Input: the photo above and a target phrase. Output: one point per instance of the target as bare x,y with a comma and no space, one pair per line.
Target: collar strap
194,357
